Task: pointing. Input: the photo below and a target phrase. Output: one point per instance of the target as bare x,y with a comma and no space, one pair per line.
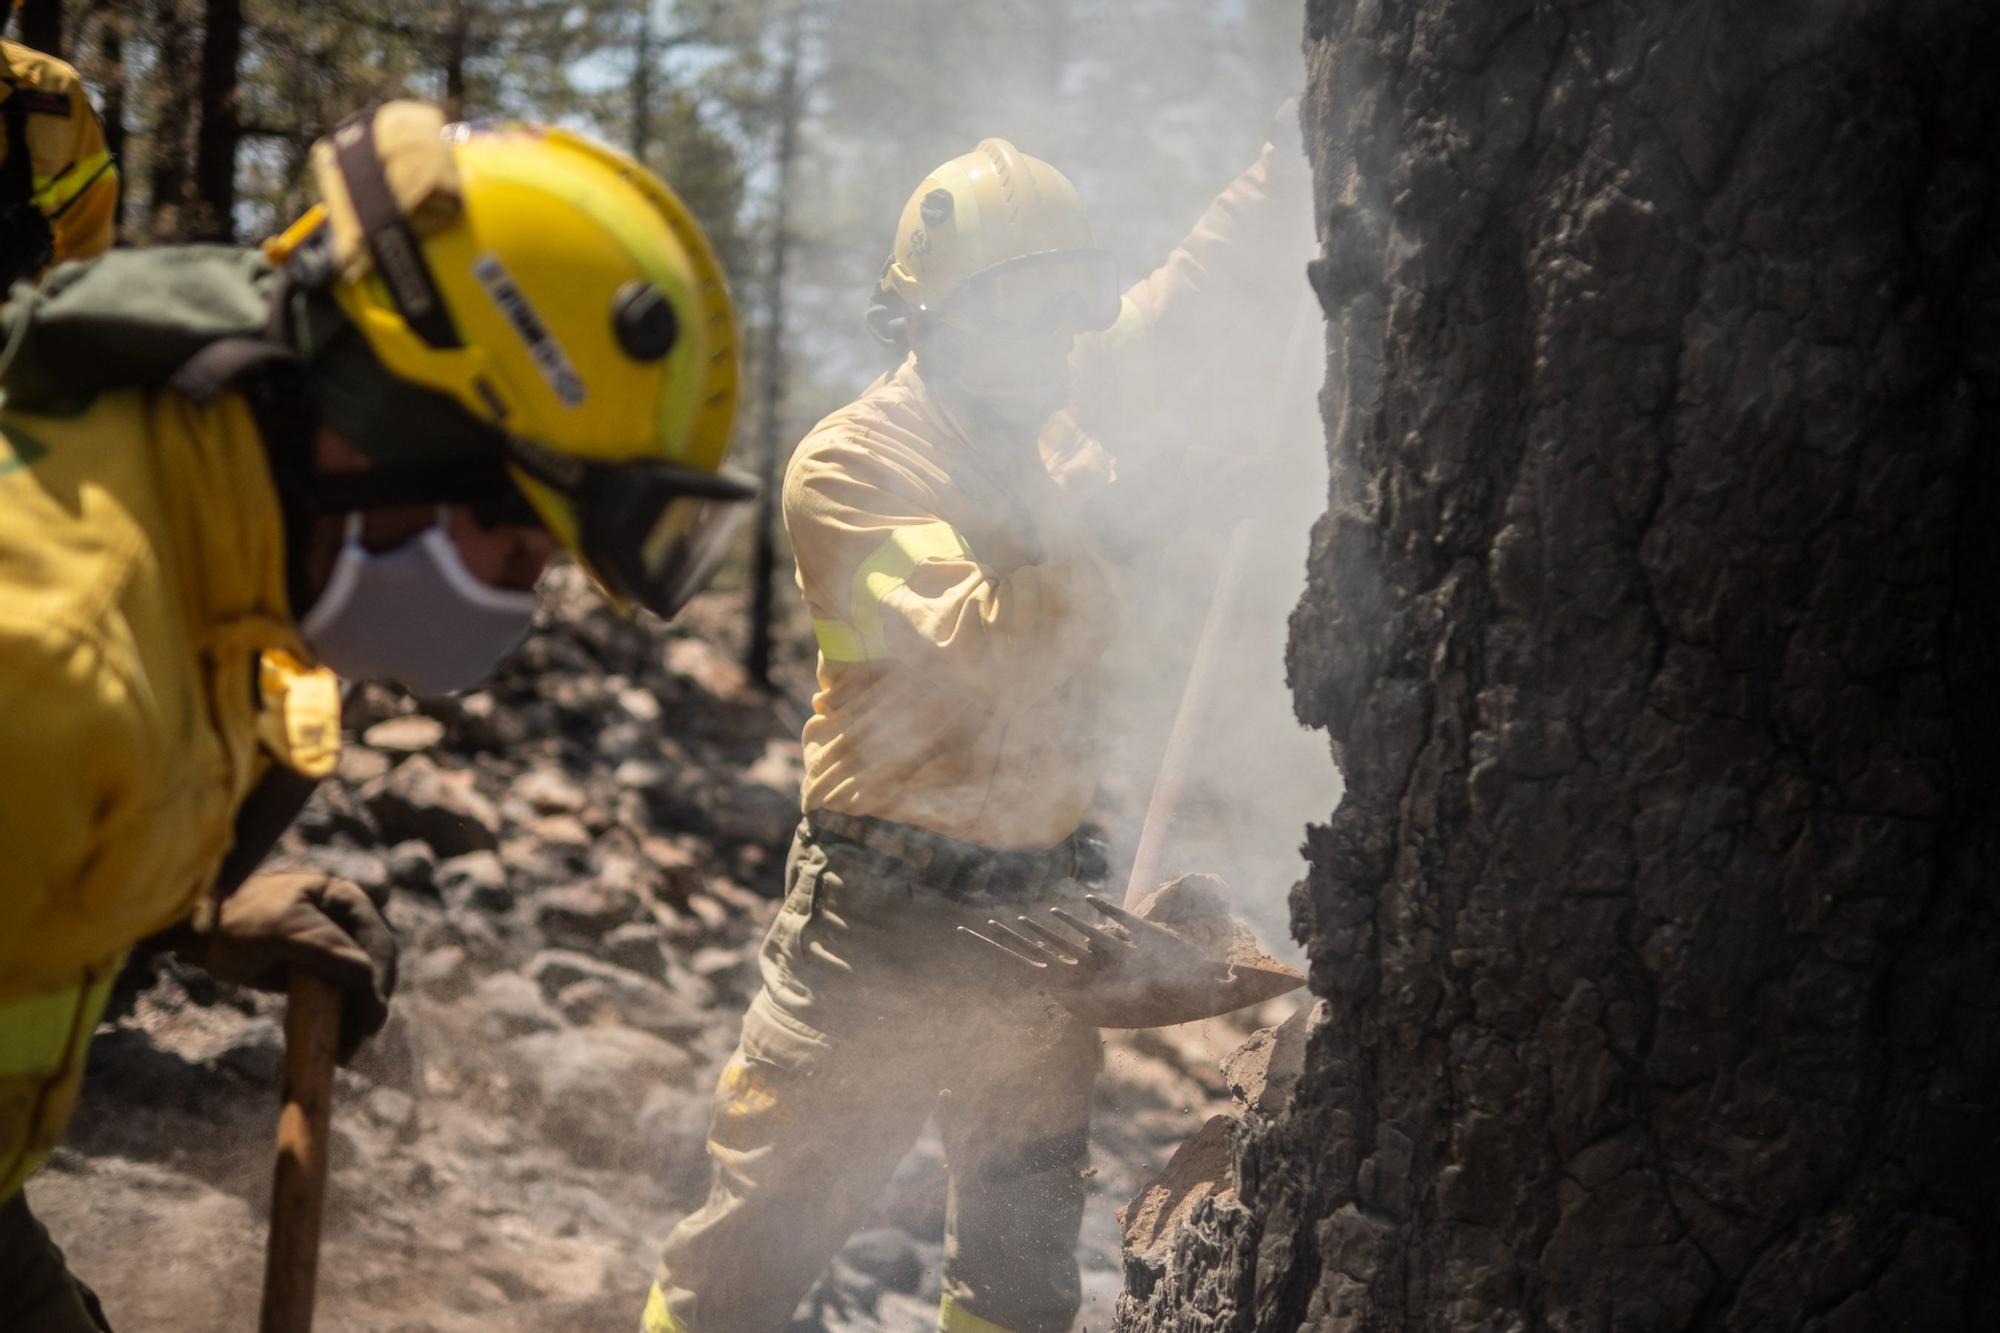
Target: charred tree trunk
111,95
40,25
457,48
170,150
771,384
220,131
644,73
1654,622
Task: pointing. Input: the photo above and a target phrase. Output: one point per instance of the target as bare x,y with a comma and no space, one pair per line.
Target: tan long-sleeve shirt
961,606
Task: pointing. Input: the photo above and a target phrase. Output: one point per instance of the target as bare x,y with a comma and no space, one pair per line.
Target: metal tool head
1154,967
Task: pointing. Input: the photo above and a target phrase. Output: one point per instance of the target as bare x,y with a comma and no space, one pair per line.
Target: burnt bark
1654,625
170,152
220,131
40,25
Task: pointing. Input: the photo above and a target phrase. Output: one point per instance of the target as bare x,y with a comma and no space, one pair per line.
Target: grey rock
887,1255
510,1005
406,735
392,1109
589,990
421,800
256,1052
365,869
588,1086
476,880
442,972
548,790
752,812
581,915
673,1124
914,1200
636,947
412,865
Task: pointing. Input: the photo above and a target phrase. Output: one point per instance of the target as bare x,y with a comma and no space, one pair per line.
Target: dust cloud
1152,111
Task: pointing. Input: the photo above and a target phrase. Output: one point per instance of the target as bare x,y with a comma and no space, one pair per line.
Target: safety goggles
652,532
1040,295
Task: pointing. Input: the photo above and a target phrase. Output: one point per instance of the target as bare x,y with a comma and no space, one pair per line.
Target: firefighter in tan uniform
59,199
943,528
225,476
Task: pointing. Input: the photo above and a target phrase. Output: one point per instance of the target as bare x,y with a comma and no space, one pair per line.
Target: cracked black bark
1653,621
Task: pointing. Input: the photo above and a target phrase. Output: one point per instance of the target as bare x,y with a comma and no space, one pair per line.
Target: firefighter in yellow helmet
58,183
944,529
224,473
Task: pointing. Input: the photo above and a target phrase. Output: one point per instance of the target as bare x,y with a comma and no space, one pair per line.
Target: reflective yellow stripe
55,193
885,570
838,642
955,1318
656,1319
42,1043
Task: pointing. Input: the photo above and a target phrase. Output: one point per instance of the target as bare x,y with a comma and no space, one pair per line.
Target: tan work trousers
874,1014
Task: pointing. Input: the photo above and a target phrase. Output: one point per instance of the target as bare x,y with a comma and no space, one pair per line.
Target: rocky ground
579,862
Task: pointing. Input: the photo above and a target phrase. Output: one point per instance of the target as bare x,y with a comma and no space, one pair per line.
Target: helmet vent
937,206
644,321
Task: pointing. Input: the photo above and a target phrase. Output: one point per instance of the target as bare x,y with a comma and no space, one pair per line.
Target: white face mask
415,615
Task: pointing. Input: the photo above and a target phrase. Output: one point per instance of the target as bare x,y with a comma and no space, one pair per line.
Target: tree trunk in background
771,369
220,131
171,148
111,93
457,47
39,24
644,58
1656,626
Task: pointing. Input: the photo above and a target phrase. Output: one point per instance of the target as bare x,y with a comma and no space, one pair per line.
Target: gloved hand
308,920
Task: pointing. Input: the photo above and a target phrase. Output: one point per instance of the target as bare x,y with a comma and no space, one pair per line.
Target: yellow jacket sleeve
887,580
80,196
1211,303
73,177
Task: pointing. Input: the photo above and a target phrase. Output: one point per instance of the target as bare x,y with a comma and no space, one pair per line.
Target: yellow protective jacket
142,584
961,606
75,180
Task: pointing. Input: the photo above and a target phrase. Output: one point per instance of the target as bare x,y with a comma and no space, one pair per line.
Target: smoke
1151,110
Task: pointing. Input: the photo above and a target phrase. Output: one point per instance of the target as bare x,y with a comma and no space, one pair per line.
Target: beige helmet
998,239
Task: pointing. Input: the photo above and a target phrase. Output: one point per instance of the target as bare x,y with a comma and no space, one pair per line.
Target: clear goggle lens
652,533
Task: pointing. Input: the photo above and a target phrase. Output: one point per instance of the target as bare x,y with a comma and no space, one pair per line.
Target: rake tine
996,944
1068,948
1088,931
1020,941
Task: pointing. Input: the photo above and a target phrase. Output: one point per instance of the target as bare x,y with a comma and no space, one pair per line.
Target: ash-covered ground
579,862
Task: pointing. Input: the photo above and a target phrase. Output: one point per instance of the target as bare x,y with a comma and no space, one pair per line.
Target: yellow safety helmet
997,239
562,296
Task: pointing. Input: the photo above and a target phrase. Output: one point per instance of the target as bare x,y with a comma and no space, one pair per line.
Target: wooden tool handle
298,1186
1198,698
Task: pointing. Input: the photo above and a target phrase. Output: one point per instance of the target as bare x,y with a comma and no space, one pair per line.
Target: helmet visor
1039,295
652,532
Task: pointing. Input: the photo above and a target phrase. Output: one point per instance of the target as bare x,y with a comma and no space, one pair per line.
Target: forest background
1151,106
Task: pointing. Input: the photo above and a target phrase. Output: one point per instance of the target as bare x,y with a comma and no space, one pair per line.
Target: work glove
311,921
